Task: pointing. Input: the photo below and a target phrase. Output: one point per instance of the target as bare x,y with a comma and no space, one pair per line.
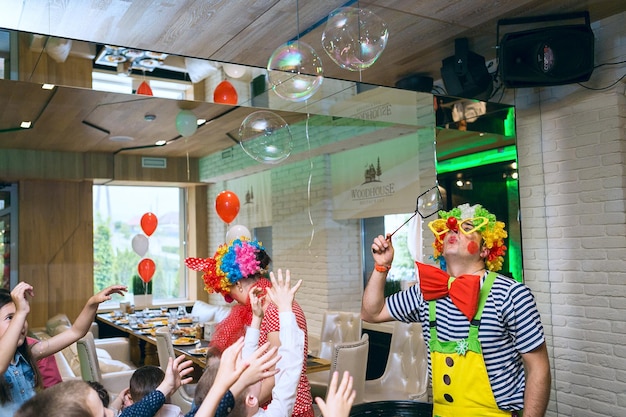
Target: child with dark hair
19,374
143,382
102,392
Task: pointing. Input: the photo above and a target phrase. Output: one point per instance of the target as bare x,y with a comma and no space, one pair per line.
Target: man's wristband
382,268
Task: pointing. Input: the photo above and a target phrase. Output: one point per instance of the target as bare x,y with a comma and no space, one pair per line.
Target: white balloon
234,71
236,232
140,245
186,123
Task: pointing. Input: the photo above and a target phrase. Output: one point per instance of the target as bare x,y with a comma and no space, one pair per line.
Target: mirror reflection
125,102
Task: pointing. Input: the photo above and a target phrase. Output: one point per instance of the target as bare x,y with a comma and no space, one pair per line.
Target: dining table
140,328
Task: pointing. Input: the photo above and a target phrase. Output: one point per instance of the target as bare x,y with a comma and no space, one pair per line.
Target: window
403,261
117,212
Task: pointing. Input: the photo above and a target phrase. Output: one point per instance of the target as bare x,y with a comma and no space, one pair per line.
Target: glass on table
164,310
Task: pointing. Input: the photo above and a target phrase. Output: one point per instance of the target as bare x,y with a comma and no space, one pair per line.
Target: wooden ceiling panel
421,35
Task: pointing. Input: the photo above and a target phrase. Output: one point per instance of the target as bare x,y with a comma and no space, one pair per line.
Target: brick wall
571,150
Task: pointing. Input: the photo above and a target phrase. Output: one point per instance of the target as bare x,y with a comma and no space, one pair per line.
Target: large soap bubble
354,38
295,71
266,137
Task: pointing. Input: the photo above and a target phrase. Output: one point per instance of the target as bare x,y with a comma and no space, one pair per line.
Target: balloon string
188,175
308,141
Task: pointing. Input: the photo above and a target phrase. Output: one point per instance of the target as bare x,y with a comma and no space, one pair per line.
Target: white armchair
183,396
90,368
406,373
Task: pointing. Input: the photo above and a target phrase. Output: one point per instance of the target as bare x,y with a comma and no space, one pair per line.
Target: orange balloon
227,205
146,269
149,223
144,89
225,93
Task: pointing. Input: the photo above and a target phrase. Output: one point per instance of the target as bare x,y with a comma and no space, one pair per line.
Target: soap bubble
354,38
265,137
295,71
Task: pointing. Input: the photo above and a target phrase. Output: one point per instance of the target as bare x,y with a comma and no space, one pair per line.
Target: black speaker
465,74
547,56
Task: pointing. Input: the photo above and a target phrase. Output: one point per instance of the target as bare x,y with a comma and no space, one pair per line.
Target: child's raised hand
105,294
261,365
231,366
256,301
176,375
339,399
21,295
281,293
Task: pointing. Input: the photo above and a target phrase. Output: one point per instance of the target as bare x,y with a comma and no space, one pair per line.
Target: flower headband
230,263
468,219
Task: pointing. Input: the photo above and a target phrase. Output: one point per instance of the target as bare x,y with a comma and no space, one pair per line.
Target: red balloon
227,205
149,223
144,89
146,269
225,93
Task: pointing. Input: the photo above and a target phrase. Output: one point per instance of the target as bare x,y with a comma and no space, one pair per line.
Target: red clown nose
452,224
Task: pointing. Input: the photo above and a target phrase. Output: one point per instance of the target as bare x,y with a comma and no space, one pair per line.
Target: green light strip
492,156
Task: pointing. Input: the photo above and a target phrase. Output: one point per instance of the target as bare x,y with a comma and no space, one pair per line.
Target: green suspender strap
471,343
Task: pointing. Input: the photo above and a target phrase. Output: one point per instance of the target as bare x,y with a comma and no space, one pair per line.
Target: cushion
209,312
53,322
107,364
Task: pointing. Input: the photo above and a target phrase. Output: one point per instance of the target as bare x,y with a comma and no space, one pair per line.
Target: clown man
488,354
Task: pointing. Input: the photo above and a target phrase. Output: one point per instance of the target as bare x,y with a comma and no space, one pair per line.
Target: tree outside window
117,214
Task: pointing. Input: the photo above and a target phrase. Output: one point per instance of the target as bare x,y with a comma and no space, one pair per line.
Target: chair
347,356
182,397
337,327
406,373
114,382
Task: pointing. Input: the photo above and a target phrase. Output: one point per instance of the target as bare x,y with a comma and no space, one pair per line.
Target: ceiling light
459,183
26,125
514,175
160,143
47,86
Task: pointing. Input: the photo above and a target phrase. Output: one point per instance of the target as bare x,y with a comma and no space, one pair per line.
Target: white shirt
290,365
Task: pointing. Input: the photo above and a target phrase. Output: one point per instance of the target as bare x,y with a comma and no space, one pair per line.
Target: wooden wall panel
197,214
56,246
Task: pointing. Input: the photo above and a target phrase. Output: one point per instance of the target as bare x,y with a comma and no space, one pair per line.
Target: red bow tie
464,290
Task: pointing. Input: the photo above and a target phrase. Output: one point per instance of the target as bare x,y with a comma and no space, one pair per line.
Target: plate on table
199,351
185,341
122,321
185,322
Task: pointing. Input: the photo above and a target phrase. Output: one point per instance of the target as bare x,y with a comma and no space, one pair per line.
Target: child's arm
256,302
291,347
339,399
251,341
79,328
262,365
11,336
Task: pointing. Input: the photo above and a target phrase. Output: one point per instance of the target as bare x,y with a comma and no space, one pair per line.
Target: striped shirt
510,326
